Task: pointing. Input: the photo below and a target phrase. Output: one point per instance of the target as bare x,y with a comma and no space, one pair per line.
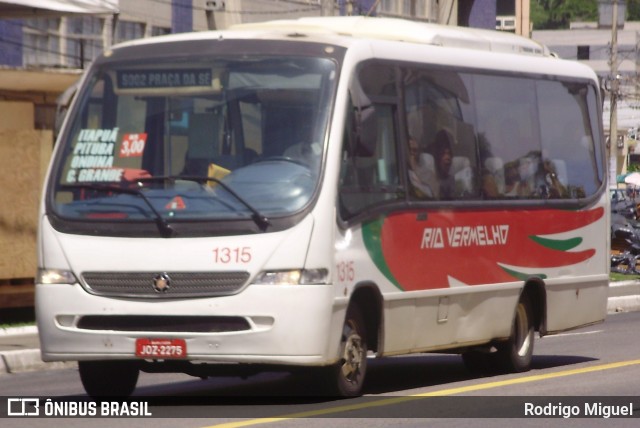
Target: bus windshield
219,139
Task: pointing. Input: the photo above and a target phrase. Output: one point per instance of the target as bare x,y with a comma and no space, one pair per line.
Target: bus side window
568,143
369,175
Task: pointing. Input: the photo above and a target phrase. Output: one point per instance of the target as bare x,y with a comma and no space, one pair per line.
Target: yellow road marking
439,393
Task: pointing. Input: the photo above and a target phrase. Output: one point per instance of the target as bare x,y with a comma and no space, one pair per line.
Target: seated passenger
438,174
548,183
539,177
418,172
493,178
513,187
445,184
527,167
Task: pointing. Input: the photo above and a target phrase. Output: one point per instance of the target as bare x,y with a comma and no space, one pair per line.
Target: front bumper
291,325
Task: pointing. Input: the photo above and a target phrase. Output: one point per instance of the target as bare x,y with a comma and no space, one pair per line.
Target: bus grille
164,285
173,324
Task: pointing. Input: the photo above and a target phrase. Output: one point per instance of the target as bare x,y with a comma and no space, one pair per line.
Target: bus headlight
55,276
293,277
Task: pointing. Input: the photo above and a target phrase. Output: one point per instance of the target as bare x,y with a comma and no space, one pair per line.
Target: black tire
515,354
109,378
346,378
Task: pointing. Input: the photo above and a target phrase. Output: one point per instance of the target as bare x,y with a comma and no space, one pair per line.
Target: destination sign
174,78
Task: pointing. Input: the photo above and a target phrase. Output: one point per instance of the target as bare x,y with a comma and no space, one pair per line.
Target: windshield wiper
259,219
165,229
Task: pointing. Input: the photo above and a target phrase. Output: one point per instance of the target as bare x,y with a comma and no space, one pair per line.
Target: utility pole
613,121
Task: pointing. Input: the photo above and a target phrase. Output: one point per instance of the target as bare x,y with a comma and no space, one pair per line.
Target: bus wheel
108,378
515,354
348,375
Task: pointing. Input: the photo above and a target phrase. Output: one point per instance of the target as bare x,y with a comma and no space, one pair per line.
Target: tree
558,14
633,10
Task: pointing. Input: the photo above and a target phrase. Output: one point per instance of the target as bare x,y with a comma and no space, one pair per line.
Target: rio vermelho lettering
464,236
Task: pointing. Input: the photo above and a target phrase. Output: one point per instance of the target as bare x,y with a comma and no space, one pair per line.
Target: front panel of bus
180,203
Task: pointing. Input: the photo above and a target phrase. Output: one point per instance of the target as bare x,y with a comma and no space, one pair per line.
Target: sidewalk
19,347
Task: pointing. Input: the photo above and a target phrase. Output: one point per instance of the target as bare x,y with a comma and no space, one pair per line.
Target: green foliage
558,14
633,167
622,277
633,10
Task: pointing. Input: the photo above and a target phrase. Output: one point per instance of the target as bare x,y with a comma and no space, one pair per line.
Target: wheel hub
353,356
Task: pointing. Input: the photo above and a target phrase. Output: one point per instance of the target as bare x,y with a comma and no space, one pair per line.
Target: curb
623,304
624,296
25,360
16,331
28,360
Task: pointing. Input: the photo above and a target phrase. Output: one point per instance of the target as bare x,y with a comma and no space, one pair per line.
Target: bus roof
362,27
402,30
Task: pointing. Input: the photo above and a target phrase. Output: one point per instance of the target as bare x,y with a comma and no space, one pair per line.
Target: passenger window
369,175
441,146
567,143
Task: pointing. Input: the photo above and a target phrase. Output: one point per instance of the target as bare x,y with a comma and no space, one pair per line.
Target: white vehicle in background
238,201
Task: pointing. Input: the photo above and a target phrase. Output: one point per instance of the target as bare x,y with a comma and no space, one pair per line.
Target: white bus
272,197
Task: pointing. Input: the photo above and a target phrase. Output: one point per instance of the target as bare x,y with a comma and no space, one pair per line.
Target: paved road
19,347
598,364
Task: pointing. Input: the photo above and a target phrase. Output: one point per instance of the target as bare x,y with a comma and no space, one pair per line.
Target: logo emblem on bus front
162,283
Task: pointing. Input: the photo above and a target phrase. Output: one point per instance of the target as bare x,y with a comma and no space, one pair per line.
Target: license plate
161,348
